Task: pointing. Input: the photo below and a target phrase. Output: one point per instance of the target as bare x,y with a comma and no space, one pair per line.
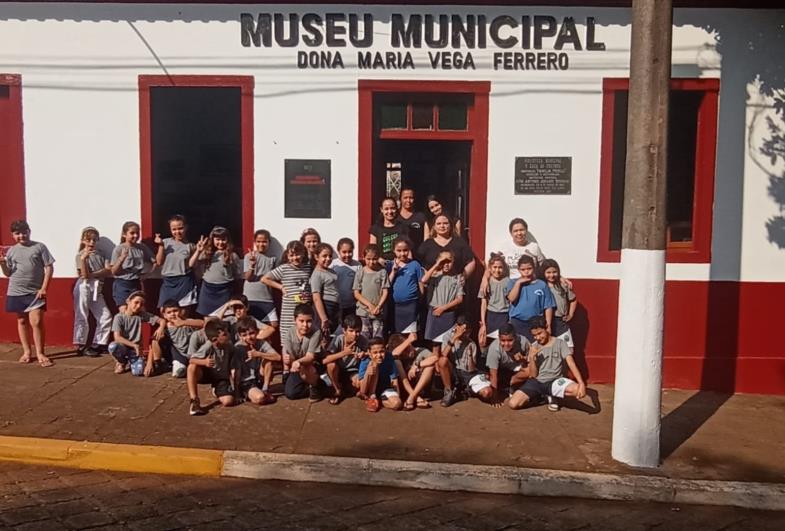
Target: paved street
51,498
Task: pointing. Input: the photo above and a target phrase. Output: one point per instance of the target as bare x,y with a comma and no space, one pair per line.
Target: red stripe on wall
718,335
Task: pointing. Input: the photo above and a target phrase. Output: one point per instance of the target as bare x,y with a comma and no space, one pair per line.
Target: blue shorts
19,304
122,288
263,311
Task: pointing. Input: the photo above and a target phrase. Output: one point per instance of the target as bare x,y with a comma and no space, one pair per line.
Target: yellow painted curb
110,456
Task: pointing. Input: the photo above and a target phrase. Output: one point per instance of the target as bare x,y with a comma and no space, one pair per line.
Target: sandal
43,361
423,404
408,406
25,358
334,401
119,368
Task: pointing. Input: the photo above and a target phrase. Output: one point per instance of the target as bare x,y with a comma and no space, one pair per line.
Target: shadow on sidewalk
682,423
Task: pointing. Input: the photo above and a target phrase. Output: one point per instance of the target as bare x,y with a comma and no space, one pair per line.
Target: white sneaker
178,369
552,404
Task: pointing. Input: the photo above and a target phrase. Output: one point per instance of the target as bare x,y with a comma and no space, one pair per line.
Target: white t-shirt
512,252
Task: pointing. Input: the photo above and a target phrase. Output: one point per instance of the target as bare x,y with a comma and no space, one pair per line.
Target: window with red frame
692,137
424,112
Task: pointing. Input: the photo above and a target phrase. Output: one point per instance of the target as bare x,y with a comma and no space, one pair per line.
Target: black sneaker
81,350
92,352
449,398
315,394
195,409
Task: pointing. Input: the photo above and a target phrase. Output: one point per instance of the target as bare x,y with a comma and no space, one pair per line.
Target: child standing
547,360
126,348
221,267
494,306
92,267
529,298
346,267
371,287
255,357
173,257
128,263
291,278
405,275
310,238
445,295
324,290
29,268
215,363
566,302
256,264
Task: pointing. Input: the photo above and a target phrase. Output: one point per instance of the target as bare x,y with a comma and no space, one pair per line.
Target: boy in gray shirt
214,363
343,359
29,268
126,348
507,362
172,339
547,359
303,351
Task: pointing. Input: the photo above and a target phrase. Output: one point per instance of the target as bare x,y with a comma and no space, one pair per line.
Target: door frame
13,204
246,85
477,133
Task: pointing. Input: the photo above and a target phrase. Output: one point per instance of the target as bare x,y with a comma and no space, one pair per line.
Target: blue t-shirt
406,284
387,369
533,299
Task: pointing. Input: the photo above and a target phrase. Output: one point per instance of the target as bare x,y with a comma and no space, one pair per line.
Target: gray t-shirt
27,263
133,265
550,359
298,347
443,289
176,257
497,302
130,326
422,353
349,362
370,284
180,337
325,282
253,288
563,298
219,272
95,262
249,369
346,273
226,358
195,342
497,358
463,354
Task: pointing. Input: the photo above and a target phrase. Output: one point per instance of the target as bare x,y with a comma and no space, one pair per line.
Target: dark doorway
429,167
196,158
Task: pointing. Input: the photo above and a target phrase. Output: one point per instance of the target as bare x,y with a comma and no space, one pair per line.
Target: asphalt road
33,497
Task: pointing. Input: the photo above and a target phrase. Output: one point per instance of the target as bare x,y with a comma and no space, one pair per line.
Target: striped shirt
296,282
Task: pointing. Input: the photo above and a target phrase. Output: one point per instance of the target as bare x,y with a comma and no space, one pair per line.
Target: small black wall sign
543,175
307,188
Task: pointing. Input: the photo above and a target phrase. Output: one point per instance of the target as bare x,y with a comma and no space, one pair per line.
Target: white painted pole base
638,389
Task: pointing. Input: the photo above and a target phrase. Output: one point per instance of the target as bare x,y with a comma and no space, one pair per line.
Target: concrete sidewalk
705,435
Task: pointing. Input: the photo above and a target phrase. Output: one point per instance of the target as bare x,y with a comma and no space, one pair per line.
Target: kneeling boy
255,357
126,349
415,369
507,362
377,377
215,363
344,355
458,365
171,340
548,357
303,348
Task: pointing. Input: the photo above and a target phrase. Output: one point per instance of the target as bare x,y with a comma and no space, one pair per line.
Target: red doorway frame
477,133
246,85
12,200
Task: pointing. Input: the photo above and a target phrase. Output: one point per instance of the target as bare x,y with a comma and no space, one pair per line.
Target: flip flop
334,401
423,404
408,406
25,358
45,362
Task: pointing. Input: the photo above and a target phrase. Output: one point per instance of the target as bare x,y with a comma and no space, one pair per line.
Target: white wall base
636,406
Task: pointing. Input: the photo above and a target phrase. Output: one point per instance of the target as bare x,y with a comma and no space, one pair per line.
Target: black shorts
245,387
220,384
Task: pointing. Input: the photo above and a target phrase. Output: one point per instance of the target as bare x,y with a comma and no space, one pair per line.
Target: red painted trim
246,84
477,133
699,251
12,168
715,332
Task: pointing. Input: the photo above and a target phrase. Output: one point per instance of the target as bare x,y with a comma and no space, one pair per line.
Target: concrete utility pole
636,405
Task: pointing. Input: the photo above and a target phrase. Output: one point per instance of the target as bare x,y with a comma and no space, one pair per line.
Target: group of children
333,317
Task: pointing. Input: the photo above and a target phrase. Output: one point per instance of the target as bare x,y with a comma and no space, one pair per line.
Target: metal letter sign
307,188
543,175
